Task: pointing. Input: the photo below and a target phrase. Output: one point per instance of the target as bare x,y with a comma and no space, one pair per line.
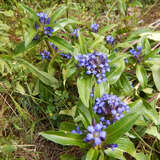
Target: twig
157,45
132,43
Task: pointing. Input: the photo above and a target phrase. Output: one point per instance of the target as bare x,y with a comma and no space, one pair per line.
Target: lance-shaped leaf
43,76
58,13
29,36
141,75
20,48
82,42
120,127
86,114
92,154
30,11
84,89
114,75
156,75
65,138
62,44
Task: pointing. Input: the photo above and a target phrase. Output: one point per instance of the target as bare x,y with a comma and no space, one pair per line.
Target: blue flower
94,27
48,31
45,55
66,56
96,134
109,39
92,93
136,51
53,46
126,60
75,32
43,18
96,63
36,25
112,146
111,107
77,131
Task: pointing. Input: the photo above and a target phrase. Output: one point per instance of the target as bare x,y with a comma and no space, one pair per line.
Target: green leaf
97,41
156,75
43,76
84,89
116,73
106,28
68,71
64,138
29,10
101,157
153,132
61,43
67,126
82,43
69,112
152,35
126,86
141,75
92,154
143,107
86,114
29,36
20,48
122,6
67,157
23,113
101,89
118,154
120,127
58,13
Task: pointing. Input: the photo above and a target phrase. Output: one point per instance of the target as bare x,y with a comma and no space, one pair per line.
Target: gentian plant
106,106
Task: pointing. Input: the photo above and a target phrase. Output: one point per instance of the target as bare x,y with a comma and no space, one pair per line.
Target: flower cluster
48,31
53,46
136,51
44,20
110,106
75,32
66,56
94,27
45,55
109,39
77,131
96,63
96,134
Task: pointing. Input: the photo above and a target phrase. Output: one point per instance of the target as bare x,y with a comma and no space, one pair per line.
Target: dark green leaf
67,157
43,76
20,48
120,127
